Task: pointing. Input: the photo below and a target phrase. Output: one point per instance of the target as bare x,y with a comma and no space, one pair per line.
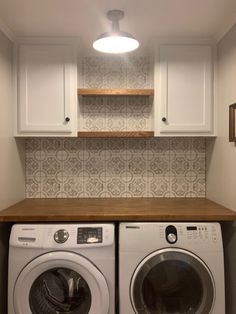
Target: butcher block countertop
125,209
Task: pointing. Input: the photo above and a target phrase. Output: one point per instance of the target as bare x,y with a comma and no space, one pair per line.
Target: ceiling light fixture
115,41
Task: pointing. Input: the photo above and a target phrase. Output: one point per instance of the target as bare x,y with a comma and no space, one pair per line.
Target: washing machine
61,268
171,268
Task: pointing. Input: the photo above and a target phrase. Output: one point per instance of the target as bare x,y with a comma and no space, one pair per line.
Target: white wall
221,166
12,182
221,155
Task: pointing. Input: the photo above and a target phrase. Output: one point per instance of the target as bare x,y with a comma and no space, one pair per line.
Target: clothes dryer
171,268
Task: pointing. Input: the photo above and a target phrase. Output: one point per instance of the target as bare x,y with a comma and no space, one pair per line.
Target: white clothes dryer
171,268
61,268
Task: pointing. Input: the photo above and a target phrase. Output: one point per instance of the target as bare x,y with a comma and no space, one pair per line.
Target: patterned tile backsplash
74,168
115,113
116,71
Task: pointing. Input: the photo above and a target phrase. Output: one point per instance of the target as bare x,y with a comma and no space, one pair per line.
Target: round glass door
60,290
61,283
172,281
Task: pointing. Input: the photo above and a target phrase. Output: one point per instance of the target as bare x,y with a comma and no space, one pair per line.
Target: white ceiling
144,19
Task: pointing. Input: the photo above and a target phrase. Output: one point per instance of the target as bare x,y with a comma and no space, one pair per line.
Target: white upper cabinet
184,89
46,89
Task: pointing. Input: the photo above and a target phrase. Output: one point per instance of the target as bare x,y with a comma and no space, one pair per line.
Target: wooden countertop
125,209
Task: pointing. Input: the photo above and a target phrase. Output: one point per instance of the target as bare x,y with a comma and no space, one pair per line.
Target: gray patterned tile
51,166
115,187
73,145
137,166
93,104
138,122
179,165
159,146
94,187
32,165
117,104
138,72
94,166
137,187
32,145
199,145
115,72
116,145
93,122
115,165
73,187
73,166
50,187
32,187
50,145
93,72
158,187
180,187
159,166
139,105
115,122
199,187
180,145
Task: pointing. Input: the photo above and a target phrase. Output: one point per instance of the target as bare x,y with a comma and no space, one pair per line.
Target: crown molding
7,31
226,28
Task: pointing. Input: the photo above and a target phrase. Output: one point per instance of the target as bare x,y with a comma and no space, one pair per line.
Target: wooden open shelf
115,92
116,134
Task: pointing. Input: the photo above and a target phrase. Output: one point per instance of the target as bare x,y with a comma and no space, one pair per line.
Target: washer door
61,282
172,281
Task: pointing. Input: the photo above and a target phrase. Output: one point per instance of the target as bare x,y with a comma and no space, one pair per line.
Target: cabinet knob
163,119
67,119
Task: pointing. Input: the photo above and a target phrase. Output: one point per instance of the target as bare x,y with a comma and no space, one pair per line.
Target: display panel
89,235
192,228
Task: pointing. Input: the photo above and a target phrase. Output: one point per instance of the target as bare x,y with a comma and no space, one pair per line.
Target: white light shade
116,43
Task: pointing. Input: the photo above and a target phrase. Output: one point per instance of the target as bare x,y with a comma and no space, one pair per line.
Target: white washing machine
171,268
67,268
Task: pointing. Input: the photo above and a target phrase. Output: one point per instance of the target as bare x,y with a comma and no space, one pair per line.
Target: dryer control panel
202,236
190,232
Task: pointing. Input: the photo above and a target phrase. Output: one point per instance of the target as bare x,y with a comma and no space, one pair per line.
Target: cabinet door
46,88
185,102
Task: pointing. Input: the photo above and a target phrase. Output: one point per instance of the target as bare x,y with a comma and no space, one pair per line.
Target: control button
171,234
171,238
92,240
61,236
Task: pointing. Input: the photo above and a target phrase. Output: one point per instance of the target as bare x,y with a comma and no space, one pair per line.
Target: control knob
171,234
61,236
171,238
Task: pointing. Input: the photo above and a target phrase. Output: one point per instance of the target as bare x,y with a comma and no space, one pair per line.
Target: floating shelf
116,134
115,92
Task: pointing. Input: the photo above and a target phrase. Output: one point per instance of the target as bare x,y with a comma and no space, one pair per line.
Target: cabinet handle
67,119
163,119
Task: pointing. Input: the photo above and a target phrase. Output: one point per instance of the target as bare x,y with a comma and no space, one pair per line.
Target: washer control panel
64,236
61,236
89,235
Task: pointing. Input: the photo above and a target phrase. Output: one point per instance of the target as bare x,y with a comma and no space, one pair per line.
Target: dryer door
61,282
172,281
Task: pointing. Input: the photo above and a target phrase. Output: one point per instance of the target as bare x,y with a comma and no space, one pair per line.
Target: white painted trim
49,40
7,31
224,30
158,41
